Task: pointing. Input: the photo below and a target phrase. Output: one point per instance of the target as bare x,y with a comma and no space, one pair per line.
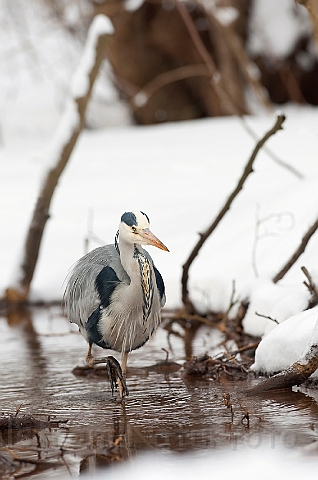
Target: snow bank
277,301
284,345
180,174
242,464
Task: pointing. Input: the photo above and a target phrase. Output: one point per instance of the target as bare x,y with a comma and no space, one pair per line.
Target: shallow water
165,412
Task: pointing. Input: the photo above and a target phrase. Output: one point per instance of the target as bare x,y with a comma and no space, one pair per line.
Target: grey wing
80,295
159,281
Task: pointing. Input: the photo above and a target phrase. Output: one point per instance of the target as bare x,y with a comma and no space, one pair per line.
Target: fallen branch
69,129
205,366
204,236
18,422
297,253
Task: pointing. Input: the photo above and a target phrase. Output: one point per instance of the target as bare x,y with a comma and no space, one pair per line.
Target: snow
275,27
286,343
226,15
263,460
279,301
101,25
180,174
132,5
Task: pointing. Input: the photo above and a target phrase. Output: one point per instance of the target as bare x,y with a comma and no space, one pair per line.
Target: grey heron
115,294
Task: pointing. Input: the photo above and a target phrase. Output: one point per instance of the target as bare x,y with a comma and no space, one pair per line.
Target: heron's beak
151,239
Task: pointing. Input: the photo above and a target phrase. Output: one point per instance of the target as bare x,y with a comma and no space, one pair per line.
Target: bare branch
20,292
187,71
233,302
313,290
248,68
259,236
204,236
271,154
266,316
297,253
216,79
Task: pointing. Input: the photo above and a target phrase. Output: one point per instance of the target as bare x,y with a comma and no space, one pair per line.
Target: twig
167,354
297,253
18,410
258,236
204,236
268,318
310,285
313,290
187,317
271,154
246,416
227,402
231,305
232,354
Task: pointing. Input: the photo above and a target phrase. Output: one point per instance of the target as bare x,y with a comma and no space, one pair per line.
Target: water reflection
165,411
20,320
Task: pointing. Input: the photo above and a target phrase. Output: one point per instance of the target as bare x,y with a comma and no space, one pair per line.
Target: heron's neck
140,271
128,259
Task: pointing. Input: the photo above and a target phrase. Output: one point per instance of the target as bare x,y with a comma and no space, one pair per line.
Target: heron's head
134,228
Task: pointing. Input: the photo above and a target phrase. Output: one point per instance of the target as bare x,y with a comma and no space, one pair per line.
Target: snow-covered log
280,345
60,149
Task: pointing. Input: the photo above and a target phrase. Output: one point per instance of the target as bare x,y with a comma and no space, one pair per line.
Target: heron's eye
134,229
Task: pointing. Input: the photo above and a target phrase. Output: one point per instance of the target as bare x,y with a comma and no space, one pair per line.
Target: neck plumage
140,271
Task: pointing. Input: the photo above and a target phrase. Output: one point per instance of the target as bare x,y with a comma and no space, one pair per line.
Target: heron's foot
116,377
115,373
90,361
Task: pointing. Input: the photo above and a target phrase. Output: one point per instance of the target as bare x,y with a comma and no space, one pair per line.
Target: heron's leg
124,364
89,357
123,390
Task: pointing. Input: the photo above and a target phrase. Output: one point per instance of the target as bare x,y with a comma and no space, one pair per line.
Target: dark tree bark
168,42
